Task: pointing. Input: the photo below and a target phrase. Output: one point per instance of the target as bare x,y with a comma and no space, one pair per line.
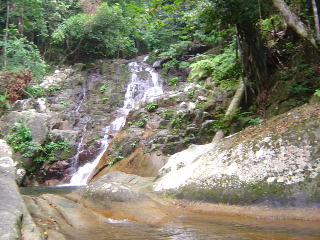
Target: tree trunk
316,18
293,21
235,103
5,37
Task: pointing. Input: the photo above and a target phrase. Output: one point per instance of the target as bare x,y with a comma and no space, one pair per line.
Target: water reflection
199,227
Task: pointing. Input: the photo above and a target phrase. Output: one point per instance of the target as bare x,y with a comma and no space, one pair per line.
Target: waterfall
142,88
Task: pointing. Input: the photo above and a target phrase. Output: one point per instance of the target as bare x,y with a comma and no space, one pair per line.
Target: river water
200,227
187,225
196,227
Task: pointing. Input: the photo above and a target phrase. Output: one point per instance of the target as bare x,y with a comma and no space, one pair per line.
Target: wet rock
5,150
278,166
39,123
191,106
191,130
68,135
164,124
173,138
15,220
41,105
20,174
56,79
207,126
123,195
23,105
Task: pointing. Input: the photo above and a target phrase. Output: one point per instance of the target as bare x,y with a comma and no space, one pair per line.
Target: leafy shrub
176,49
191,94
39,92
184,64
22,54
173,63
4,103
222,67
177,121
20,140
36,92
104,87
173,81
299,88
152,106
49,150
106,33
167,114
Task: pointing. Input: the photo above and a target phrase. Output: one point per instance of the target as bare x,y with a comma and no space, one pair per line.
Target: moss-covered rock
276,162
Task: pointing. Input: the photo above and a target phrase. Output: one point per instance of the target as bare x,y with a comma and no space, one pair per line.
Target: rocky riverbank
15,220
275,163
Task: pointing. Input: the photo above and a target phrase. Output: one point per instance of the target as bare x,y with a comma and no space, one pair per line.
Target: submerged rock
276,162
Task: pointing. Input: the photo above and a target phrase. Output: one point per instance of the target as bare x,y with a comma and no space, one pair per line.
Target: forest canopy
258,39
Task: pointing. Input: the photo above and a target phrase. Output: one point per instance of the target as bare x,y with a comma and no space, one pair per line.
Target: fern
220,67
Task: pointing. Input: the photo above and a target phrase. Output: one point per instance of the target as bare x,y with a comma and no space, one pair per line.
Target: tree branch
293,21
236,100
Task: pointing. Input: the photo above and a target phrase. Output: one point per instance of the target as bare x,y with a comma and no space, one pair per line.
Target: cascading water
144,86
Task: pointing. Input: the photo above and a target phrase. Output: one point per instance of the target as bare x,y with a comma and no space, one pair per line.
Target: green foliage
317,93
176,49
4,103
20,140
222,67
106,33
167,114
226,122
141,122
178,121
115,160
39,92
184,64
152,106
36,92
22,54
104,87
173,63
299,88
173,81
49,150
191,94
268,25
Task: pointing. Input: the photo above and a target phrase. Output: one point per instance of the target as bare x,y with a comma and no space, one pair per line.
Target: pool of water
196,227
48,189
187,226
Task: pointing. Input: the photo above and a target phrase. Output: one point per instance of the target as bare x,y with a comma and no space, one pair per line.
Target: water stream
144,86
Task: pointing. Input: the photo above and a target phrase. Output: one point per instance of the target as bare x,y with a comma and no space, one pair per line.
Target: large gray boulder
39,123
15,221
276,163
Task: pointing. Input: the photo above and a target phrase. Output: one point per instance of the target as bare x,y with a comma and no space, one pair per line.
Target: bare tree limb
5,37
293,21
235,102
316,18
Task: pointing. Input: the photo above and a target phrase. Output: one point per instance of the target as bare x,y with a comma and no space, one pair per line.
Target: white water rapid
144,86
